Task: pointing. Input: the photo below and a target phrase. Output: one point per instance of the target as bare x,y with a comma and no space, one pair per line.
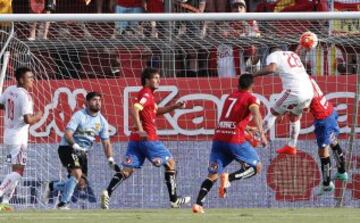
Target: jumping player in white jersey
18,105
296,95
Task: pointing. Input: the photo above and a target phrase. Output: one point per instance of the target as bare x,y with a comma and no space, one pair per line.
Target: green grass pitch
316,215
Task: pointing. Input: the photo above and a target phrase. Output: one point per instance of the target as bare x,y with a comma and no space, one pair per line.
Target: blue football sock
59,186
69,188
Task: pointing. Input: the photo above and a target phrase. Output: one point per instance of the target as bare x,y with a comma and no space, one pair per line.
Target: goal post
200,57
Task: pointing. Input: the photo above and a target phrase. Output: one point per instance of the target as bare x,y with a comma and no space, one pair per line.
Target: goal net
200,59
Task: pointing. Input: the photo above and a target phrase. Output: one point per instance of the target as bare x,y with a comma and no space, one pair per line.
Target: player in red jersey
229,141
144,142
326,131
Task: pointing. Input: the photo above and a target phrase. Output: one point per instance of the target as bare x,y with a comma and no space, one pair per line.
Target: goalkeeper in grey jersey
78,139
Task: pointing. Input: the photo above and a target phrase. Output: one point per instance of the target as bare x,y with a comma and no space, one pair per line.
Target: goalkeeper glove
78,148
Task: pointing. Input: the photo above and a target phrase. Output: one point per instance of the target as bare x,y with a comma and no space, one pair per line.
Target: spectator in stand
301,5
266,6
41,6
292,5
352,65
190,67
241,28
128,6
211,6
5,8
99,6
214,5
230,60
154,6
252,5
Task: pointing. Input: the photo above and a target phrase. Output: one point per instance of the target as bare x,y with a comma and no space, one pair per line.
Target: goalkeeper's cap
241,2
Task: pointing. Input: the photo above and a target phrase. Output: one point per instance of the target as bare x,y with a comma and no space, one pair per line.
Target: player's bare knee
258,168
156,162
324,152
77,173
213,176
127,172
170,165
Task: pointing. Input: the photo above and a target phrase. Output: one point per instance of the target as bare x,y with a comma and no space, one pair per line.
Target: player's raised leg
218,160
326,131
249,160
205,187
71,160
134,159
116,180
270,119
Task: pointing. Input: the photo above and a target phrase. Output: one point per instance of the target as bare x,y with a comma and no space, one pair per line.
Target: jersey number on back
231,106
11,109
293,60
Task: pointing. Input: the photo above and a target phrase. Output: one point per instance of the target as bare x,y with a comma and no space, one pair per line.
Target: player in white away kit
296,95
18,105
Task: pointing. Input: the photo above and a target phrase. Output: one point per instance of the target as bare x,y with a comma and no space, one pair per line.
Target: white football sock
9,183
269,121
294,133
8,195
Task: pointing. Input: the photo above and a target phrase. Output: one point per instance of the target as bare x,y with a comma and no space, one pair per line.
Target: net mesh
199,63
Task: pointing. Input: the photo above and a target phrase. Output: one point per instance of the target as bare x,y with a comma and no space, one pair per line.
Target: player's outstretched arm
170,108
32,119
254,108
268,69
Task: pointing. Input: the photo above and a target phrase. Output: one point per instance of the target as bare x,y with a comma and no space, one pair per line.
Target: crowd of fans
223,60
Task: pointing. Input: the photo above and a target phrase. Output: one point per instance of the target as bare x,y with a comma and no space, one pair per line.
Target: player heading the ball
296,95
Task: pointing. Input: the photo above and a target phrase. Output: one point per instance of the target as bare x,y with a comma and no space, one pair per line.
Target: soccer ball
308,40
